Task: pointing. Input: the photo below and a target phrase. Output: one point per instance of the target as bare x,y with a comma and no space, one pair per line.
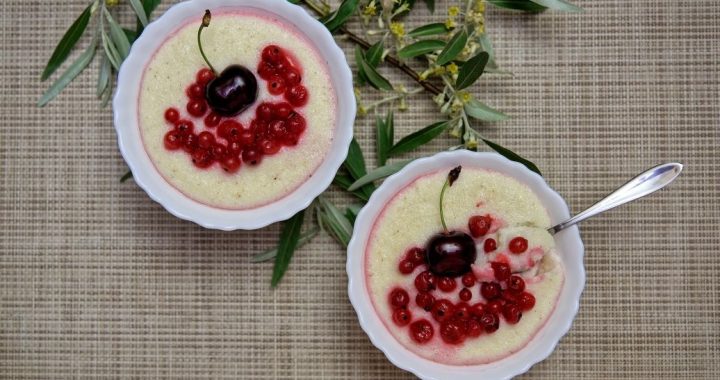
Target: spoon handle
648,182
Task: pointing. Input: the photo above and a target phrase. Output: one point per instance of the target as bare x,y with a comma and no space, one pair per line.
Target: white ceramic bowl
145,174
569,245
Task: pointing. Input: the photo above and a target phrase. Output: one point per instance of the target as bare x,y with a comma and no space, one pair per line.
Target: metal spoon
648,182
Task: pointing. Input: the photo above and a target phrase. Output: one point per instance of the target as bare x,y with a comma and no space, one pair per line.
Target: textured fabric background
96,280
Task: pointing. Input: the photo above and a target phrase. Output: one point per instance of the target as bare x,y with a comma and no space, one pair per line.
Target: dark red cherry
451,254
234,90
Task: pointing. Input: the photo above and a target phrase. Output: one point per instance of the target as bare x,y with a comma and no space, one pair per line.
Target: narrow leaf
375,79
139,11
305,237
351,212
519,5
431,5
355,162
110,51
362,78
341,15
78,66
103,75
512,156
344,181
67,42
384,137
482,111
420,48
118,36
289,238
148,6
418,138
471,70
558,5
379,173
374,54
330,217
453,47
131,35
429,30
126,176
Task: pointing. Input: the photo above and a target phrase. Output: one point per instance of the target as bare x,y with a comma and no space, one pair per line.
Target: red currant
202,158
206,139
490,290
190,143
489,245
252,156
462,311
399,298
269,147
212,120
281,111
446,284
264,111
297,95
266,70
490,322
204,76
234,147
478,309
421,331
276,85
185,127
526,301
230,164
442,309
172,115
516,283
479,225
246,138
501,271
197,107
196,91
272,54
474,327
518,245
296,124
291,76
402,317
173,140
406,266
468,279
425,301
416,255
425,281
465,294
277,129
452,332
495,306
512,313
229,129
220,151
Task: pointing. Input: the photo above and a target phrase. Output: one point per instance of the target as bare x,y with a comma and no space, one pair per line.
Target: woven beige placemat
96,280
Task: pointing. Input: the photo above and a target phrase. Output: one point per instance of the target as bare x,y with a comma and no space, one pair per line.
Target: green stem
442,196
205,23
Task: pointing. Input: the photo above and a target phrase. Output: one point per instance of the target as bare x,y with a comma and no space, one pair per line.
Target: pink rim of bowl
144,172
570,248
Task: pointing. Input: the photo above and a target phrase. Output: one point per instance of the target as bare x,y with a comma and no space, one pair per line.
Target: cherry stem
451,178
205,23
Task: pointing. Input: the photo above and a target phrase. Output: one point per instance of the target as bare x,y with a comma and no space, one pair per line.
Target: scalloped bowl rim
146,175
570,249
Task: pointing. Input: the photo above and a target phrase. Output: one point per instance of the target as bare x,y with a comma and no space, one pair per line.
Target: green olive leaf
126,176
344,181
118,36
420,48
379,173
355,165
103,75
453,47
507,153
361,77
337,19
305,237
471,70
139,9
518,5
67,42
384,136
418,138
374,78
482,111
111,51
558,5
289,238
429,30
332,220
75,68
374,54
